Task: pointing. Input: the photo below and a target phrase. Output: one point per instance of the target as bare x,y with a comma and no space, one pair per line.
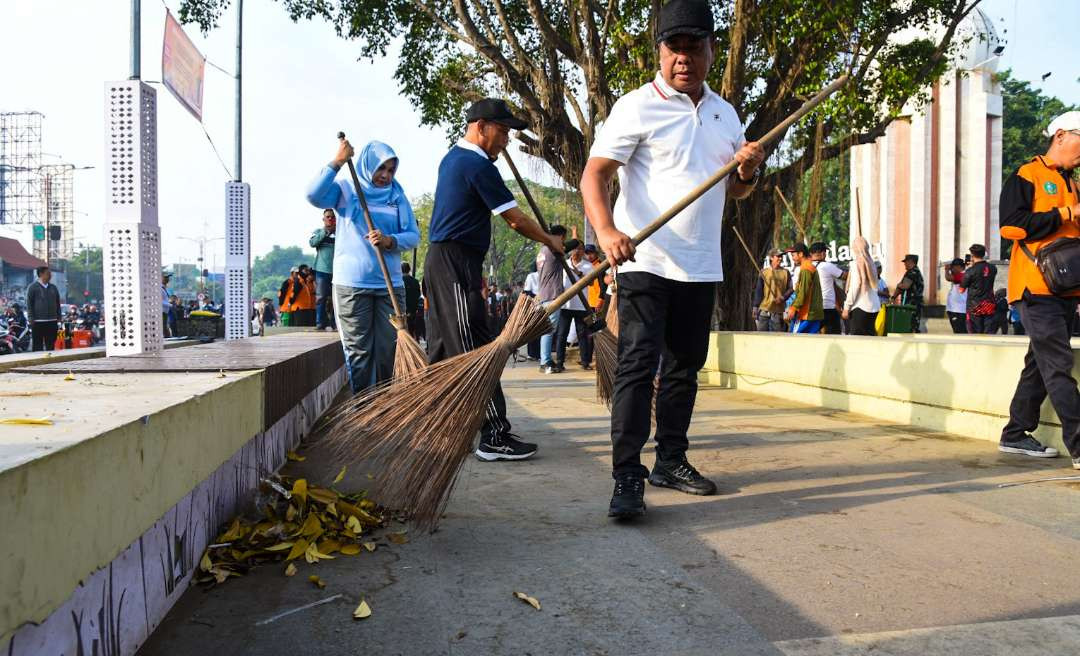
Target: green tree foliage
270,270
1025,114
563,63
84,274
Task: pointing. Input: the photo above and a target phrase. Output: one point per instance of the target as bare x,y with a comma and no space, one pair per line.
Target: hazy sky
301,85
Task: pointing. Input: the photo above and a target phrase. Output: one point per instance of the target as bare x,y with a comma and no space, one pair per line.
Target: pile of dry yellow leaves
306,521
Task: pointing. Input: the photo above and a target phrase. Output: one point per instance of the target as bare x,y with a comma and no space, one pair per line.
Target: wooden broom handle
572,275
371,228
726,170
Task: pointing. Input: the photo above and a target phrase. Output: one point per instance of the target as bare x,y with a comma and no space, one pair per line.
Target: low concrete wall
107,511
961,385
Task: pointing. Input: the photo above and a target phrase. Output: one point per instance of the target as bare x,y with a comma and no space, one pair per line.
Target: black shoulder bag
1059,263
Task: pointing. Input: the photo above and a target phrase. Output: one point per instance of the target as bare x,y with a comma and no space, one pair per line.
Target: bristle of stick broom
606,350
419,428
409,357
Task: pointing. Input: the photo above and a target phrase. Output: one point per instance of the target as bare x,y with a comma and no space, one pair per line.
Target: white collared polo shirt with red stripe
668,146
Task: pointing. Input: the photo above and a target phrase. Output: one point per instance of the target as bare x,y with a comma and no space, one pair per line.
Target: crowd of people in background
820,296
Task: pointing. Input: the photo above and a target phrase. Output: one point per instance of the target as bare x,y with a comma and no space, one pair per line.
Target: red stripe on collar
658,90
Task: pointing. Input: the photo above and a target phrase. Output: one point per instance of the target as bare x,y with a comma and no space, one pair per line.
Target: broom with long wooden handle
418,429
595,323
408,357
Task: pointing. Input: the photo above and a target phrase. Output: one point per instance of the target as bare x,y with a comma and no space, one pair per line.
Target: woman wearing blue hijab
361,302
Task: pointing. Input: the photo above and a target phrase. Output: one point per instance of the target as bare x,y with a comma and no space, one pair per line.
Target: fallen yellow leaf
69,376
290,513
322,495
290,570
233,533
299,489
313,555
398,538
340,476
317,581
295,457
353,524
298,549
332,509
527,599
362,611
370,546
281,546
205,564
329,546
27,421
350,549
312,527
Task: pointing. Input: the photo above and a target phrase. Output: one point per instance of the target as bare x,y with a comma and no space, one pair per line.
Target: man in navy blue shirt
468,192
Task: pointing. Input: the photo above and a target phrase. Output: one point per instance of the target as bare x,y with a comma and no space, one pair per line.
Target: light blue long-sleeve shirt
355,263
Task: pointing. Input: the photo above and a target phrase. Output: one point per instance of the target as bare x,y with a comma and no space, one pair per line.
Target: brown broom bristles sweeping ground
418,429
408,356
606,352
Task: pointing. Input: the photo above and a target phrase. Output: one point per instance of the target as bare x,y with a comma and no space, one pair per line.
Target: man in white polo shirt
663,140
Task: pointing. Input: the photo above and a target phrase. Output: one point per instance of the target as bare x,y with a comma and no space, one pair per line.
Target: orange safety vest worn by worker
305,298
1034,207
594,294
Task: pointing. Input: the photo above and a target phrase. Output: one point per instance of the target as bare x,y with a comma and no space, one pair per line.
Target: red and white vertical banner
182,67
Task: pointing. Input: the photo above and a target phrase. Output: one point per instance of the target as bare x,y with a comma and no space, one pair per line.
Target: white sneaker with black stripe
504,447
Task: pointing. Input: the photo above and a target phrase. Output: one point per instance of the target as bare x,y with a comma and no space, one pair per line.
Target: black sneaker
557,368
680,475
628,500
504,447
1029,446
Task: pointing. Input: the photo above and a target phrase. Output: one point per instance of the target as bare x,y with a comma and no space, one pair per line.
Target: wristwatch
753,179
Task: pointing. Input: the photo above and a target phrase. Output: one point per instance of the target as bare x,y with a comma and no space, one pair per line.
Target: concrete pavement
833,535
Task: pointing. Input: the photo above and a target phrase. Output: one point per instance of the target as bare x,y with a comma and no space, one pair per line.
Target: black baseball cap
495,110
690,17
798,248
913,258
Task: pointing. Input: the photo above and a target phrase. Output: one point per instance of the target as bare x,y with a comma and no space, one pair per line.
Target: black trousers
982,324
958,321
1047,370
457,318
657,317
43,335
862,323
577,317
831,322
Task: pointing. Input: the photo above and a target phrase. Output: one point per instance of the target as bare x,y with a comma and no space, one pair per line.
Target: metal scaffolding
58,217
20,164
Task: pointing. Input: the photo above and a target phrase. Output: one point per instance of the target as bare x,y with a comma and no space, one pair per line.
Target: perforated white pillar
132,241
237,260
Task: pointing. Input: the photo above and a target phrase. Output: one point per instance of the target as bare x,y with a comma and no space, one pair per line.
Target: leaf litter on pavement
299,523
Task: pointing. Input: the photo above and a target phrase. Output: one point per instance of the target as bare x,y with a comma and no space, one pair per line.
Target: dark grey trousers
1047,370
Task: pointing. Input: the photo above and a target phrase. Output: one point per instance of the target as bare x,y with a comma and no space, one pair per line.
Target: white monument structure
930,185
132,249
